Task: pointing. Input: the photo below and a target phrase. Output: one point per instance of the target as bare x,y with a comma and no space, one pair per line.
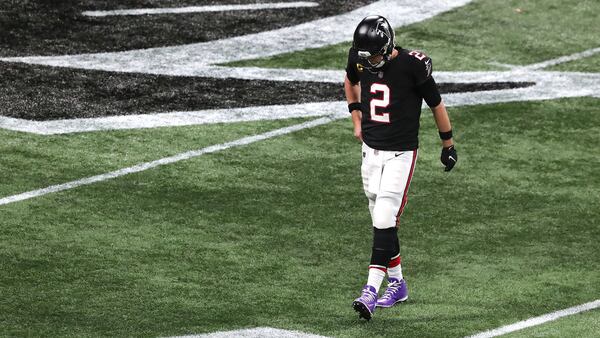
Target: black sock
385,246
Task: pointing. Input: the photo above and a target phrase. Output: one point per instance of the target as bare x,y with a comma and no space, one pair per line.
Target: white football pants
386,176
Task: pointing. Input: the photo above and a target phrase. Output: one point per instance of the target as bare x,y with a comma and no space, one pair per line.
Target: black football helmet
374,36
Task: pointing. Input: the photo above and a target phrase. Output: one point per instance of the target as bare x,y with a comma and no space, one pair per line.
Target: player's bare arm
353,96
442,121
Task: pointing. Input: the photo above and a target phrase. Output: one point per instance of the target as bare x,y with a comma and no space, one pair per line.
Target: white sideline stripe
563,59
174,119
201,9
259,332
538,320
167,160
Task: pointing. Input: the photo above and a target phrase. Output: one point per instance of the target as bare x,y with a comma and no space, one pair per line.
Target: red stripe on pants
405,196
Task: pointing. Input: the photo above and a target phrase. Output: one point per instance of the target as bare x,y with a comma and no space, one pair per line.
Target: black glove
449,157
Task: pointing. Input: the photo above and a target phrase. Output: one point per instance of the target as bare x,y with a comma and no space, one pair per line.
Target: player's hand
449,157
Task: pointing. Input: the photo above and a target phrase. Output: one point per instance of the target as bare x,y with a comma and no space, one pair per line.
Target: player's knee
383,221
385,211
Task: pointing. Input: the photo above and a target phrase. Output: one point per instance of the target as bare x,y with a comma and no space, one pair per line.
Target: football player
385,86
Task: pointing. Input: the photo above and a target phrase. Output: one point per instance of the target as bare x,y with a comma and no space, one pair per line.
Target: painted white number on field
381,103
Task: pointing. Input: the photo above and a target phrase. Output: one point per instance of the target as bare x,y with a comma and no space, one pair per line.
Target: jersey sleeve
429,92
422,67
426,86
351,68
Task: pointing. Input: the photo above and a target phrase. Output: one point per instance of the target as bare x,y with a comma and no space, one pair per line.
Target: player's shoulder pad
423,65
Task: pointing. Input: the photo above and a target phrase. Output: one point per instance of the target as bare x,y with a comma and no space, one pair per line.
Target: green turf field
277,233
37,161
265,234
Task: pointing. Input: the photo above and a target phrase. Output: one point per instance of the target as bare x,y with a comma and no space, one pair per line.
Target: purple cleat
396,292
365,304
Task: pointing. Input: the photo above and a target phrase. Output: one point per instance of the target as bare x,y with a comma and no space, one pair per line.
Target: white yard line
552,62
538,320
201,9
163,161
562,59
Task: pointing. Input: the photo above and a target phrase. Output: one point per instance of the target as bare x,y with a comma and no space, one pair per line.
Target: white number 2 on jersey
382,103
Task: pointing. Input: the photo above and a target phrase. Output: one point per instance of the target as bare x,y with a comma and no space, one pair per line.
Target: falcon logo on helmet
374,42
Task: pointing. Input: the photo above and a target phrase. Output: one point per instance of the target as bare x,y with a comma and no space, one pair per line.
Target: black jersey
391,99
